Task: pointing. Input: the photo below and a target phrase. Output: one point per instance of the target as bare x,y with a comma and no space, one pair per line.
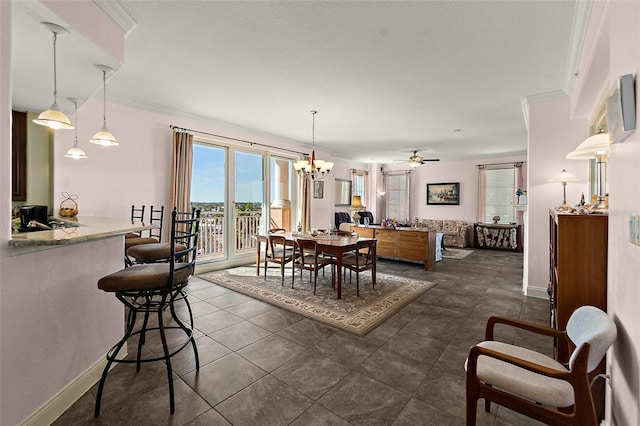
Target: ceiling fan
416,160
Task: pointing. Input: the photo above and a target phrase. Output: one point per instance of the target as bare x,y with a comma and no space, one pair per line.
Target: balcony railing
213,234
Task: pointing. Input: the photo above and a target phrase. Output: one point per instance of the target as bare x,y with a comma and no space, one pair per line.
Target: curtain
181,169
482,191
519,184
305,215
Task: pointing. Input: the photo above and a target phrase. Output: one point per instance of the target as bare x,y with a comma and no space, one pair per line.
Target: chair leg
165,348
111,357
187,331
357,284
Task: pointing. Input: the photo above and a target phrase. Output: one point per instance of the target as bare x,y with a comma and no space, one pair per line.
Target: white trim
59,403
578,30
540,292
117,14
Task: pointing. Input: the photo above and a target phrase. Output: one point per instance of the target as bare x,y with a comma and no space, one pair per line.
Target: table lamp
356,205
564,177
596,146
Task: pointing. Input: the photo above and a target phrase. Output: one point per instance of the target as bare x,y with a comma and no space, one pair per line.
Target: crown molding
538,99
581,17
118,15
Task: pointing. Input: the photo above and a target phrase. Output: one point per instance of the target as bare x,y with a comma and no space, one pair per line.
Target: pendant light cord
313,129
55,76
104,98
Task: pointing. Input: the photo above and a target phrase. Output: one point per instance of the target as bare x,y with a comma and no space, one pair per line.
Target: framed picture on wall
318,189
443,193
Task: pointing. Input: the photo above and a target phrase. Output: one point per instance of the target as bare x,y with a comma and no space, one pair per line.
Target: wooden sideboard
577,276
402,243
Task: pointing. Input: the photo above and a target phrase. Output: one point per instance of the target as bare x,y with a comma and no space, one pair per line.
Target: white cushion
524,383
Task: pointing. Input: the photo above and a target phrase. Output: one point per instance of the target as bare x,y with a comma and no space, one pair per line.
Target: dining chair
306,256
535,384
152,289
362,260
277,252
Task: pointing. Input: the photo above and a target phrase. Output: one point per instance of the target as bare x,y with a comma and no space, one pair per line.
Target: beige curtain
181,169
305,211
482,191
519,182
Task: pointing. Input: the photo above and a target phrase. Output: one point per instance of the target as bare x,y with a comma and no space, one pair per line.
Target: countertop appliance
29,213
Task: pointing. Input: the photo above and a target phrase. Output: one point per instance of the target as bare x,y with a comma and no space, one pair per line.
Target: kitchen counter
77,230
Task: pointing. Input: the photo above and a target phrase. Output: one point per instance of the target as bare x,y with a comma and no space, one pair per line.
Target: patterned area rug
454,253
356,315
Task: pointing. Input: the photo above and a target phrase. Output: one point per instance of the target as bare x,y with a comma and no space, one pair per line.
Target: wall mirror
343,192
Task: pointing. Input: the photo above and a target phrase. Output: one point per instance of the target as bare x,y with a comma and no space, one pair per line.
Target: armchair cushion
525,383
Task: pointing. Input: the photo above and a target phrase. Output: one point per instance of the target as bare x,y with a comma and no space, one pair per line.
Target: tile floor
261,365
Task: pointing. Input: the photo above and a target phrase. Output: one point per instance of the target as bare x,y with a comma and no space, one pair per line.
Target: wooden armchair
534,384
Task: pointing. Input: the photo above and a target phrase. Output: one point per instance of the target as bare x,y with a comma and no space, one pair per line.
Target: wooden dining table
335,245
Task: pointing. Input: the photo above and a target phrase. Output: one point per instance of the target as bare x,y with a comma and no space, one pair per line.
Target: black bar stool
156,217
152,288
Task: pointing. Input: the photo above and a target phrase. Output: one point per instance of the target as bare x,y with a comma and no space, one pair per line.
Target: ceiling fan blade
424,160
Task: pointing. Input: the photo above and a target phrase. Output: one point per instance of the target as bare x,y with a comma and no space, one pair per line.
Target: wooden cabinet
19,156
404,244
577,275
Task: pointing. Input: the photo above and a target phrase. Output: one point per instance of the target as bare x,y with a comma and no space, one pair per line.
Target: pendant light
311,168
104,137
53,117
75,152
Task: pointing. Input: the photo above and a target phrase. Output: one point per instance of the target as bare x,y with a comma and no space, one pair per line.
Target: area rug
454,253
356,315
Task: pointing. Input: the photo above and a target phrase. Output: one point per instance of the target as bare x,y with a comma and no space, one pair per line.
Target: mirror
343,192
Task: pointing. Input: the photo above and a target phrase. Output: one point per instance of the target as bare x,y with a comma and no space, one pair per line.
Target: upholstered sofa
457,233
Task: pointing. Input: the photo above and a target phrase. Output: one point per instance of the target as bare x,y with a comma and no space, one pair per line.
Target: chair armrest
524,325
476,351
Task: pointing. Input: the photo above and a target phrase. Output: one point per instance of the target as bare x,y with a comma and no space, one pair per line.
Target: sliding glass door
240,193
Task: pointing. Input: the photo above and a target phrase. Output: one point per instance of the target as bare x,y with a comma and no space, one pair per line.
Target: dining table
331,244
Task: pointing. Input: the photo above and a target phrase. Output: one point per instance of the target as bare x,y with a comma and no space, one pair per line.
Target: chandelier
311,168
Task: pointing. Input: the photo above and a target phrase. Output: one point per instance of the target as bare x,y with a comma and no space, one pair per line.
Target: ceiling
445,78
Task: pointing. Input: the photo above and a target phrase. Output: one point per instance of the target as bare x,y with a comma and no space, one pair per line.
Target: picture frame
443,193
343,192
318,189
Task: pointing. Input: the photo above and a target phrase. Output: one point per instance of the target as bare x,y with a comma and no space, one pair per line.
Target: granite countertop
77,230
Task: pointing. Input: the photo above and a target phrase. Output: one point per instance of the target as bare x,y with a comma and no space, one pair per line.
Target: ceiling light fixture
53,117
75,152
596,146
104,137
311,168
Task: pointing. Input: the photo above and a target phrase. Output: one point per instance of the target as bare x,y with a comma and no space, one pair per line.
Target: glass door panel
249,202
208,193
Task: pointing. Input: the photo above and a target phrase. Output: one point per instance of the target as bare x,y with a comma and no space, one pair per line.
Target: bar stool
152,288
156,217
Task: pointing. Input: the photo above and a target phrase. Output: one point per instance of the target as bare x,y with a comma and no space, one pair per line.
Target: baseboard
58,404
540,292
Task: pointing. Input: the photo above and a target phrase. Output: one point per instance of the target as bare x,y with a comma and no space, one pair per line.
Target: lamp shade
356,202
597,144
75,152
564,177
54,119
104,138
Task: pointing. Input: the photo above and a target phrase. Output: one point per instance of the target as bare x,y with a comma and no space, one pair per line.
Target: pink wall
551,136
465,172
623,19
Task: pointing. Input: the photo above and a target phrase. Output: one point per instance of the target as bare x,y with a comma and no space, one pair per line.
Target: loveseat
457,233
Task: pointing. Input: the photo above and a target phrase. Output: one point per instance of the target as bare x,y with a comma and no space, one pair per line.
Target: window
500,188
359,179
397,196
